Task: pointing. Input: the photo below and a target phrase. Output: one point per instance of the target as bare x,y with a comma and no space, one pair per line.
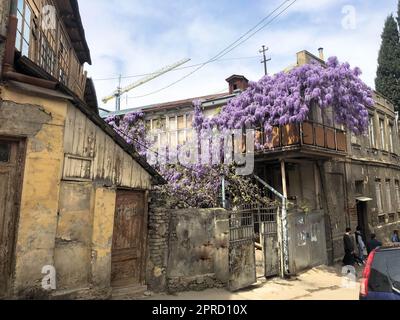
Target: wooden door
10,165
129,240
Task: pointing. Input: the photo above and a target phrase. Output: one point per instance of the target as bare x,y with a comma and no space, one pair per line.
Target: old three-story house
331,178
73,194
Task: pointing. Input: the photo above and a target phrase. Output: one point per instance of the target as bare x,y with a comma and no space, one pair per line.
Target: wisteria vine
284,98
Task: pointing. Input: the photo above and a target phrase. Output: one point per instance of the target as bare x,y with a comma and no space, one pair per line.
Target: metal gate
252,223
269,232
242,261
308,240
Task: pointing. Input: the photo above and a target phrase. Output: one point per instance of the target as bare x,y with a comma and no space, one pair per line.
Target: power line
177,69
227,50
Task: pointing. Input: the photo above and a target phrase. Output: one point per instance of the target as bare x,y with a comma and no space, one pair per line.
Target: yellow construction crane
120,91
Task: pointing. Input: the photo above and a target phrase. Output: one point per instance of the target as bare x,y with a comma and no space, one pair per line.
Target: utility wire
231,47
176,69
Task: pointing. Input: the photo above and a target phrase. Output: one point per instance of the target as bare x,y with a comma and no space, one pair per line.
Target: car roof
388,247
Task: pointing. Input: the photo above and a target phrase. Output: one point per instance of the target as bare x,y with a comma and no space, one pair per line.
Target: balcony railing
307,134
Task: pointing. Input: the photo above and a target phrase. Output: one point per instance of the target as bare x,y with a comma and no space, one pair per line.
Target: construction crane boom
120,91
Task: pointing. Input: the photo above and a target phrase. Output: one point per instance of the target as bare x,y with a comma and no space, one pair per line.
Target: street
322,283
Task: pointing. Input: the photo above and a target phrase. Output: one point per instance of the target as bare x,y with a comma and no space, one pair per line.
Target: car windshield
385,271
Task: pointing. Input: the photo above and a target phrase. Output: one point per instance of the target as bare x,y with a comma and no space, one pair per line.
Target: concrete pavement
322,283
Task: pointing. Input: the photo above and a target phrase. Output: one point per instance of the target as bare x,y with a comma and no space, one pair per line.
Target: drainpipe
8,62
284,218
223,193
9,54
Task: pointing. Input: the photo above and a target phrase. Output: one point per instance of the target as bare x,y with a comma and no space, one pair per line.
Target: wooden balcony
307,138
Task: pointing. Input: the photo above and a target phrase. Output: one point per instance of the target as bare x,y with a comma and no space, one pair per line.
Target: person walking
373,244
348,243
360,246
395,237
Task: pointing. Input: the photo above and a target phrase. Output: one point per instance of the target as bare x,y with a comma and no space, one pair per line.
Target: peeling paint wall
188,248
41,121
65,223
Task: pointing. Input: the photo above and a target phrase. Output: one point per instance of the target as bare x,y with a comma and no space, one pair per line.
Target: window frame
388,192
371,132
382,134
379,196
21,28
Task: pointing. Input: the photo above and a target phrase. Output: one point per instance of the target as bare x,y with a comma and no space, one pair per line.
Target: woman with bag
360,246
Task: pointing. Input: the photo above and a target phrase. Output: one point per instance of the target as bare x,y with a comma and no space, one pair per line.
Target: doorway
11,164
129,239
362,219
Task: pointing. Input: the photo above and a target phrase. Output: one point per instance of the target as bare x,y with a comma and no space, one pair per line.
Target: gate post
284,225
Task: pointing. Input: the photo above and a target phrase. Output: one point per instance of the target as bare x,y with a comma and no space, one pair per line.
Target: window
24,14
5,150
148,126
397,187
181,130
389,197
385,273
360,187
371,130
391,145
48,44
63,59
382,133
47,58
378,187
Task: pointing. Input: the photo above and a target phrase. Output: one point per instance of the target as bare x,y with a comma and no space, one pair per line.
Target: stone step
128,292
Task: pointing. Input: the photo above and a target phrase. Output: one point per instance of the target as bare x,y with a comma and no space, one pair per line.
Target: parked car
381,276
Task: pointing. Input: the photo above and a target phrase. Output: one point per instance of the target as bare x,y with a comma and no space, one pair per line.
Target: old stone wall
188,248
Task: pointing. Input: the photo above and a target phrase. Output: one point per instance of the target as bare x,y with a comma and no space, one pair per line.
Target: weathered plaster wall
67,224
188,248
41,121
102,236
74,235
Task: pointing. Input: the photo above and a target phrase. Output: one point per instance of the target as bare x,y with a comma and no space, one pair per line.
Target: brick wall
187,248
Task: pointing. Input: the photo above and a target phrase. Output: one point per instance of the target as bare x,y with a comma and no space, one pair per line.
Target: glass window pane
20,21
25,49
181,122
181,137
27,32
172,124
18,41
4,152
189,121
28,14
21,5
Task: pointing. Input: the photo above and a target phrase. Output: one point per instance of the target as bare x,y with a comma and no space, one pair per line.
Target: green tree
398,13
388,75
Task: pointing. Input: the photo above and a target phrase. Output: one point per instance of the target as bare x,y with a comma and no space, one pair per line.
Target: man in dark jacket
348,243
373,244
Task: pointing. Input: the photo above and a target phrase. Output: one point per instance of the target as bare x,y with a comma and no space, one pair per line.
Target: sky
136,37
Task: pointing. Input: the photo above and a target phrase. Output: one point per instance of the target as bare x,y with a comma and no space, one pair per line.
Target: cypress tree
398,13
388,74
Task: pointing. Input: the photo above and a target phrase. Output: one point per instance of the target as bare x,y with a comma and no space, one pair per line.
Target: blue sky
132,37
